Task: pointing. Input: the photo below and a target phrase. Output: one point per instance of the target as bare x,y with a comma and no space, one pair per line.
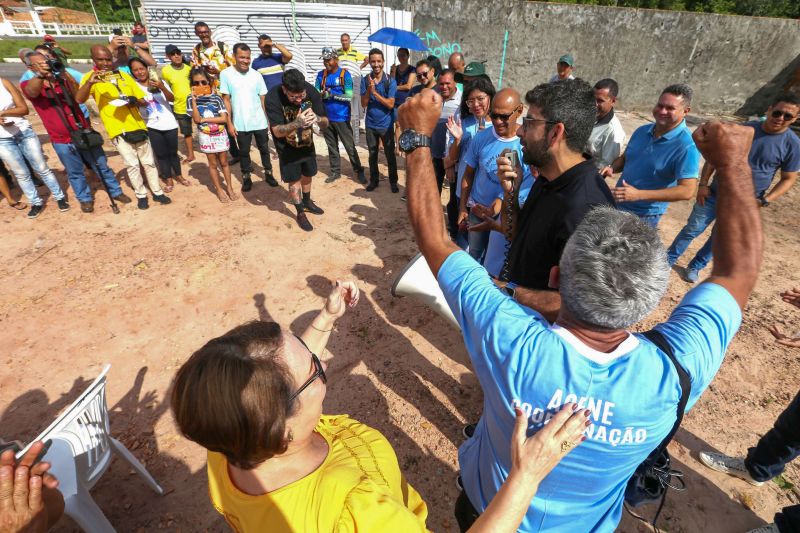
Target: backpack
653,477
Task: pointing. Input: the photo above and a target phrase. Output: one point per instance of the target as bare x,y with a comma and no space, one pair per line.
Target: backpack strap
657,338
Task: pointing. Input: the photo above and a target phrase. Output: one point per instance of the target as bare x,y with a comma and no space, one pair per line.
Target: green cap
475,69
567,58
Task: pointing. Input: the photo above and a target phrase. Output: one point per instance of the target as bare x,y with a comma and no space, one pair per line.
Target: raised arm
424,201
286,55
738,240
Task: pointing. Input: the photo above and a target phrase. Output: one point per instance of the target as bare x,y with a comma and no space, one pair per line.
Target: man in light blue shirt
661,163
243,91
587,356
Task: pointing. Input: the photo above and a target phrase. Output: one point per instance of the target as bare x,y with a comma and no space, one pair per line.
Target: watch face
407,139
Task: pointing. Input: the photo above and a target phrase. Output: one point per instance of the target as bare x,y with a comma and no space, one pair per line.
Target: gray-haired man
613,273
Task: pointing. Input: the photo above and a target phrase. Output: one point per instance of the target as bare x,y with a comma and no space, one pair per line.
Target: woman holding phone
207,110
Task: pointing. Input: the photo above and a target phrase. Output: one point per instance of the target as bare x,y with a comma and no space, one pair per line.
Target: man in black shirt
292,110
553,135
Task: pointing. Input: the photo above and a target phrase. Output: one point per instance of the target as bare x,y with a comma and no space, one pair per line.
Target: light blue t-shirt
379,117
469,127
633,393
652,163
482,156
245,91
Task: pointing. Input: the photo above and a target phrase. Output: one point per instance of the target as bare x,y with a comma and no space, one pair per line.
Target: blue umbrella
397,37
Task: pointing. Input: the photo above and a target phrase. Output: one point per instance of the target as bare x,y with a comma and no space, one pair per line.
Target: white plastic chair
81,452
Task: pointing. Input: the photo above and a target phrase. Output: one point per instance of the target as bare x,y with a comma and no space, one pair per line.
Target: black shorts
292,172
184,125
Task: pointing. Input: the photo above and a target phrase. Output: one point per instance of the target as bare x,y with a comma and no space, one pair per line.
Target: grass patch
783,483
79,49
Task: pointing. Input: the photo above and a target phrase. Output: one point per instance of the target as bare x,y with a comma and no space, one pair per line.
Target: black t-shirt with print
280,110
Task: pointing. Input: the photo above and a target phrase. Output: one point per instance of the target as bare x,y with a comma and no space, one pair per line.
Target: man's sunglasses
423,73
319,372
786,116
501,116
201,82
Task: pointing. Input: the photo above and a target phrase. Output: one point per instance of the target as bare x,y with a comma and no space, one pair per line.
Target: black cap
171,49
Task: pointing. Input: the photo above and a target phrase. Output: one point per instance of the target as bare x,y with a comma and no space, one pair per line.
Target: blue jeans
74,160
700,218
478,240
650,220
25,146
778,446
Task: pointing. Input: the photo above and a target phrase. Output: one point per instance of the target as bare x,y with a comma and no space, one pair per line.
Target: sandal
183,181
19,206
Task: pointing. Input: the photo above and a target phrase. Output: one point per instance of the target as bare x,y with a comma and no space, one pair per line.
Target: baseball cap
328,53
171,49
475,69
567,58
49,38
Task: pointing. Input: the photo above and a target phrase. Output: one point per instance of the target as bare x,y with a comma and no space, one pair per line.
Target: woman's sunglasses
201,82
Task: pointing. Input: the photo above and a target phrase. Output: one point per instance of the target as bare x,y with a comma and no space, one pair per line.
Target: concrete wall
735,64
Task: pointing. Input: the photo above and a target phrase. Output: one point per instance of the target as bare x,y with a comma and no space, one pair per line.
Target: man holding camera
53,98
118,98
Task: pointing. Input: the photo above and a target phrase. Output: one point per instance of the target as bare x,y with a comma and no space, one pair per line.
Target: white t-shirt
157,113
556,78
13,125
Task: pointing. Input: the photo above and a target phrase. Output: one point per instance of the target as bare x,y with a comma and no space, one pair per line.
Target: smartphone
512,156
117,31
305,105
201,90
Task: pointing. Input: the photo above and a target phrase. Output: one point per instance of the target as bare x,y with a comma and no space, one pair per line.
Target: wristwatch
410,140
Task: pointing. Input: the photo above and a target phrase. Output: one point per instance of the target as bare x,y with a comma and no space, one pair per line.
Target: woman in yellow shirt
253,398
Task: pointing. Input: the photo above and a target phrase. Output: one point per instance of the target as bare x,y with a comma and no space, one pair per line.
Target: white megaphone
416,279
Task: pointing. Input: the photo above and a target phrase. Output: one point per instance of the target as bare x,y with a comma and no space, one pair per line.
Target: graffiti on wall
436,46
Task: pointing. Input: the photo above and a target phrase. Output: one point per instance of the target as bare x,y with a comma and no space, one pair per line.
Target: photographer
58,51
119,45
46,93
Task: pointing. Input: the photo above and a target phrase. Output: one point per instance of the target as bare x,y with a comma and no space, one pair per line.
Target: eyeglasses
296,97
201,82
480,99
501,116
319,372
527,120
423,72
786,116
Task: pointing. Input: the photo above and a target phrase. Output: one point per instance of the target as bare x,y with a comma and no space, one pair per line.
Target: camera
56,67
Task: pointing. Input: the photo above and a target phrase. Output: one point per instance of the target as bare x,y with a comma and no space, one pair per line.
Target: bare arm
282,130
786,182
738,240
547,303
286,55
64,50
164,89
34,87
466,188
684,190
412,79
85,89
145,56
424,201
20,108
343,295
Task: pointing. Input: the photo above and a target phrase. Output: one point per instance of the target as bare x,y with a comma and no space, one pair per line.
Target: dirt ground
143,289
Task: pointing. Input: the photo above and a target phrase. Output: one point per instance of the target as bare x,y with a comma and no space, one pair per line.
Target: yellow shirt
179,84
117,119
352,55
357,488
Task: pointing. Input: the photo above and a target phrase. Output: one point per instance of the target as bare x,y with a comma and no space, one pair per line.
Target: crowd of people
546,267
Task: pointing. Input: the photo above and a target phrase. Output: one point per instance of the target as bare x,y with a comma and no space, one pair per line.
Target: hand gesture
118,41
792,296
534,457
626,193
781,338
343,296
7,458
506,174
489,224
454,127
96,77
703,191
461,221
308,118
21,504
421,112
724,145
607,172
126,41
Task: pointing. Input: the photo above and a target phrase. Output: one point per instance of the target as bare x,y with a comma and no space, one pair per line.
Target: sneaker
362,179
311,207
247,183
769,528
87,207
270,179
372,186
332,178
394,187
691,275
35,211
469,430
63,205
302,221
163,199
142,203
123,198
726,464
404,198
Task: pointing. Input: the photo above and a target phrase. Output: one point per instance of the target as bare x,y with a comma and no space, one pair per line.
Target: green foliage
107,10
80,49
755,8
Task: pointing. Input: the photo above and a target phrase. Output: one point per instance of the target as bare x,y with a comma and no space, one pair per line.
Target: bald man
481,192
118,98
457,64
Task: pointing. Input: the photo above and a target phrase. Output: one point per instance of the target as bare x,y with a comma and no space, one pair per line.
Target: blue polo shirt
632,393
652,163
379,117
